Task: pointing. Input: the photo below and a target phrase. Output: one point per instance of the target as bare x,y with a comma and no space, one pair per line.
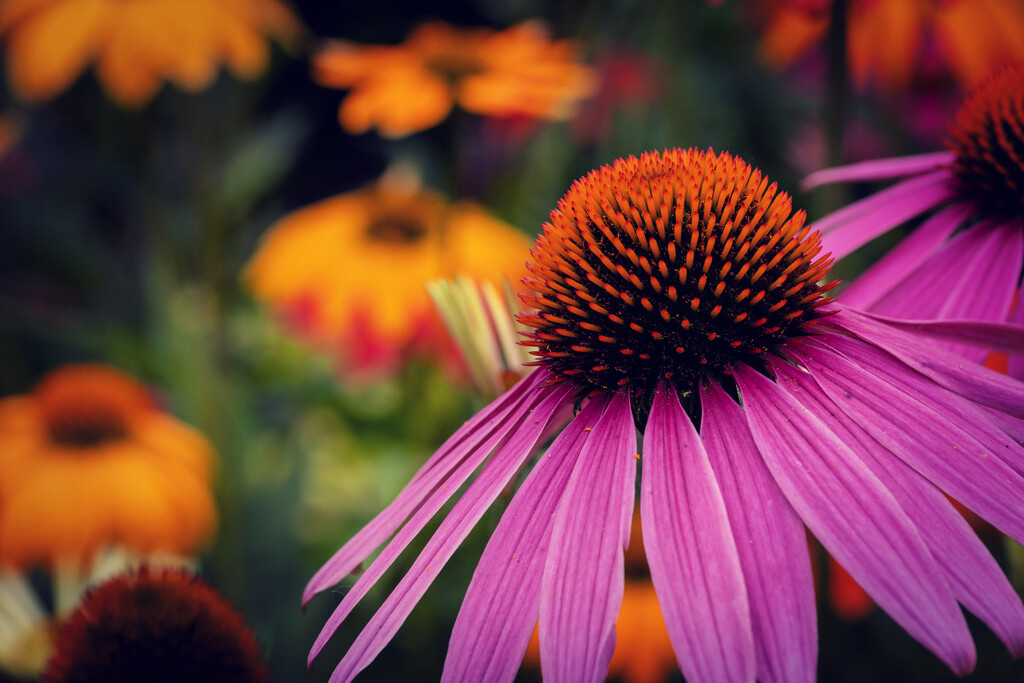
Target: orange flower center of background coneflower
988,140
674,265
87,406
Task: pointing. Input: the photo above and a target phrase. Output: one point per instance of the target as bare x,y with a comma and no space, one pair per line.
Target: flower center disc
988,139
674,265
86,406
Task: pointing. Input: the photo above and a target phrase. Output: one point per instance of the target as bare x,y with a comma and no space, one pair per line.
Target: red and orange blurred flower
407,88
349,273
889,40
136,45
86,460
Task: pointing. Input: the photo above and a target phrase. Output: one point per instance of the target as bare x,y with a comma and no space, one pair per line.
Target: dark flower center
988,139
676,266
83,406
397,229
85,426
155,625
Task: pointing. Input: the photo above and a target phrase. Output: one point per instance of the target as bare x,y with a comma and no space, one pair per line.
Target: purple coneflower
964,260
678,293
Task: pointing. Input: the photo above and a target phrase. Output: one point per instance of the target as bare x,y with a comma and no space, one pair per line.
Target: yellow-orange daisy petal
403,89
137,45
397,104
888,39
87,460
51,49
356,264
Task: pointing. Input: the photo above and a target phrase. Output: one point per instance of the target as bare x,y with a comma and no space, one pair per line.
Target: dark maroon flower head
155,625
988,140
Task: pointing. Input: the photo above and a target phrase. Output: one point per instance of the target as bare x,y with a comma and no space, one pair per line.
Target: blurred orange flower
86,459
349,273
411,87
889,39
136,45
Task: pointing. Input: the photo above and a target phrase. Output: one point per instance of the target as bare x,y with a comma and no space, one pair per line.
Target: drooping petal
507,579
445,541
857,224
924,436
583,576
1016,365
892,270
974,276
878,169
856,518
963,378
691,552
953,411
974,576
430,504
483,431
772,545
1005,337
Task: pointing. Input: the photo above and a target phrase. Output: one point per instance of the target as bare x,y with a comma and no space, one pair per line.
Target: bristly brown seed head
675,265
988,140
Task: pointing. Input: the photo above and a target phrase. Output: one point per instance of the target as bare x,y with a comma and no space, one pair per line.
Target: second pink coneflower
965,259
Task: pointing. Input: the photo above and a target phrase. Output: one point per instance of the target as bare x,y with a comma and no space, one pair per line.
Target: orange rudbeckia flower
136,45
888,39
86,460
349,273
411,87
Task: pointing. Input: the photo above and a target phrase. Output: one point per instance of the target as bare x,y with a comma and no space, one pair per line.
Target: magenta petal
961,377
507,579
1004,337
926,435
482,446
878,169
974,276
583,576
451,532
857,224
892,269
856,518
973,575
423,484
1016,368
771,541
690,550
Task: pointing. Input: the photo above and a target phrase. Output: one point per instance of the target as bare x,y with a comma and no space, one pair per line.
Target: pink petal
925,435
959,376
973,575
772,545
973,276
856,518
890,272
857,224
583,576
446,540
690,549
478,450
440,465
1016,367
507,579
878,169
